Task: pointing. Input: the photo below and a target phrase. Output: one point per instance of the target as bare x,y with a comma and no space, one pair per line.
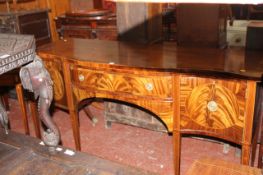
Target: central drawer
156,86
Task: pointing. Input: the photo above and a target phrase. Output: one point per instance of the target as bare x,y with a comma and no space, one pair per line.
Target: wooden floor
24,155
127,145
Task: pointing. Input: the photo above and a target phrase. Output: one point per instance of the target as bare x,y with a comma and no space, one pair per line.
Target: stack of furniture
93,24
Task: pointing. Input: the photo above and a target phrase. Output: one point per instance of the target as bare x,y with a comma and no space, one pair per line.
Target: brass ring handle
212,106
81,77
149,86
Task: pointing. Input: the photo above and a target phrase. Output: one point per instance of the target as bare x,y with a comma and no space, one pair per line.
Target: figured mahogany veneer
197,97
150,90
192,90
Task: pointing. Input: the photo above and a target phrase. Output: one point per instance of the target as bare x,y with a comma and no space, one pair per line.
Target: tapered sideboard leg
177,151
75,127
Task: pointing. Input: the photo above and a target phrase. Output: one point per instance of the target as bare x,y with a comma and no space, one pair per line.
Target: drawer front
158,86
213,105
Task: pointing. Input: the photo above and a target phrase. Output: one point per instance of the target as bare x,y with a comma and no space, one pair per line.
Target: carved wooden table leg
20,97
35,78
32,106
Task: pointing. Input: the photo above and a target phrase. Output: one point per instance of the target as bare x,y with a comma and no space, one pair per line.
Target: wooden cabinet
35,22
201,25
142,25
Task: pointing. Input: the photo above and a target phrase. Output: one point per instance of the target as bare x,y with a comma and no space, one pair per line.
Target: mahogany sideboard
204,91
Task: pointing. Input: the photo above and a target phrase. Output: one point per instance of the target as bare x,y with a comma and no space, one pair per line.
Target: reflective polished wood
201,91
234,62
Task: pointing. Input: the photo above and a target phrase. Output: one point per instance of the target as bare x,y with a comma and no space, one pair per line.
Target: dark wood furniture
207,21
259,130
34,22
169,21
254,38
260,153
97,4
20,154
100,24
204,91
255,12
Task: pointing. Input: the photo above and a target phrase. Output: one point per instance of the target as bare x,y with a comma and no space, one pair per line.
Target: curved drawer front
156,86
213,105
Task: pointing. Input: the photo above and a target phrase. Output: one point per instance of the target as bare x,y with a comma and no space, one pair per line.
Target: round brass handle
212,106
81,77
149,86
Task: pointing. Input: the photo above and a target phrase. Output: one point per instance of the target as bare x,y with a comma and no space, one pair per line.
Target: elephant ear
37,70
25,79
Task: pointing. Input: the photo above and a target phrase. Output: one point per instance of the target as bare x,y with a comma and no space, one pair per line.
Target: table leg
260,151
3,117
245,154
20,97
35,78
75,127
177,151
32,106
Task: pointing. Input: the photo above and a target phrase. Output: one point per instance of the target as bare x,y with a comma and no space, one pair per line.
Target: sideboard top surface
166,57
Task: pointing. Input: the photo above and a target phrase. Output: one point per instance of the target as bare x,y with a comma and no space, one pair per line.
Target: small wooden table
16,51
201,91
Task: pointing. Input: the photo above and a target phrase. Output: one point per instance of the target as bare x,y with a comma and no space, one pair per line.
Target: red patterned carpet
129,145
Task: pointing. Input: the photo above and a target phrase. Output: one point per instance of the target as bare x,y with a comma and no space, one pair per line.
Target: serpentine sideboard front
200,91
